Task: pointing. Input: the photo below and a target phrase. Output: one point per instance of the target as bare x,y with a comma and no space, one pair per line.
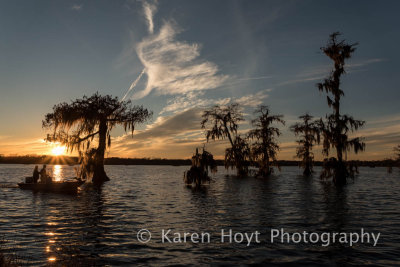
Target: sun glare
58,150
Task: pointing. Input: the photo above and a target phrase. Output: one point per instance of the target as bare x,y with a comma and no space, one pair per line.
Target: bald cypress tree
336,127
223,123
265,147
85,125
309,132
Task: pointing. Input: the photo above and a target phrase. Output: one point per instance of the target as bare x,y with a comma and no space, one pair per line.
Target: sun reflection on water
57,171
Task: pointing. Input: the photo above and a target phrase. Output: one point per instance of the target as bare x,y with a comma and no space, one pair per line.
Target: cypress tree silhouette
222,122
77,124
201,165
336,127
265,147
309,131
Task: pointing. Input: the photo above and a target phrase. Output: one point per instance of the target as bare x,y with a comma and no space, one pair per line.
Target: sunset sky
178,57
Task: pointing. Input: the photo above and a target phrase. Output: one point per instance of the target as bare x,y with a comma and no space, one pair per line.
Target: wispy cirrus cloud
196,99
321,72
253,100
9,146
365,62
149,10
382,131
77,7
174,136
172,66
191,100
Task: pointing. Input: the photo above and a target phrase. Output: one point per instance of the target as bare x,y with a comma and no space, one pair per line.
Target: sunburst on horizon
58,150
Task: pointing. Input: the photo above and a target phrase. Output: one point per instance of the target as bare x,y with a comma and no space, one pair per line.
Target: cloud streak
133,85
149,10
171,66
194,99
9,146
76,7
321,72
253,100
173,136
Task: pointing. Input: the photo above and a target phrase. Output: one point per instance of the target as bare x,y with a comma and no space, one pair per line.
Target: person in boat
35,174
44,177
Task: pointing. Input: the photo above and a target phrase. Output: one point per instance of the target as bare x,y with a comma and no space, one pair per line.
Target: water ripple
98,227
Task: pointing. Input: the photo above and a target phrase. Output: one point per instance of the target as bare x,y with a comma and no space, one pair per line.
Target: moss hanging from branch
265,146
85,125
336,127
202,164
309,132
223,123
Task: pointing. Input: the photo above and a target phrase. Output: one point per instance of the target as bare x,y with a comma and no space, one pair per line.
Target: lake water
99,227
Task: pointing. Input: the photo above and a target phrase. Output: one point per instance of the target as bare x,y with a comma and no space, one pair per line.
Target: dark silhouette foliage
336,127
238,156
265,146
222,122
397,152
309,132
199,171
396,161
84,122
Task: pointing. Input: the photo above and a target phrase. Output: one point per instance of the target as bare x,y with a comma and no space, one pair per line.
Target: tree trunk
307,171
266,169
307,168
308,161
340,175
228,134
99,175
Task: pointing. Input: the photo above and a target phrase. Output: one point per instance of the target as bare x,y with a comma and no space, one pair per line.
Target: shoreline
69,160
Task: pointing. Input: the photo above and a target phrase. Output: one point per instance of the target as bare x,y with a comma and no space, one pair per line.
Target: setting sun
58,150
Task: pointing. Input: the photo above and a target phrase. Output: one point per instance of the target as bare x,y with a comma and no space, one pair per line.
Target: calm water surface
99,227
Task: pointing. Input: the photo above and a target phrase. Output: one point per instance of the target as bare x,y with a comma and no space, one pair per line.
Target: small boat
67,187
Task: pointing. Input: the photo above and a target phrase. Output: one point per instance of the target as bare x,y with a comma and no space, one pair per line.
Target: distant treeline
65,160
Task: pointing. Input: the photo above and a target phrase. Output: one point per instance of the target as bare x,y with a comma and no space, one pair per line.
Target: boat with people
68,187
47,184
